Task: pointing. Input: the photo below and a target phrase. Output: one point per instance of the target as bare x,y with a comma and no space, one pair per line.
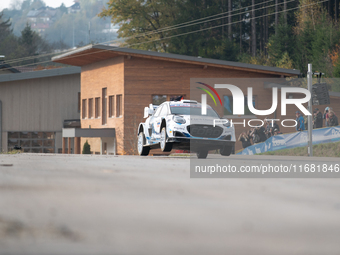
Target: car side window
158,111
164,110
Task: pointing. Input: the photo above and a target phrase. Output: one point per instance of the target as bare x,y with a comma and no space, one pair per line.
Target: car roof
180,103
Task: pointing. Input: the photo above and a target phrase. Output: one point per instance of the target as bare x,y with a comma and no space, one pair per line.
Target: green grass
319,150
11,152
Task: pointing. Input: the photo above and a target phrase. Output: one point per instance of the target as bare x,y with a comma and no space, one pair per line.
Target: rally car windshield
184,110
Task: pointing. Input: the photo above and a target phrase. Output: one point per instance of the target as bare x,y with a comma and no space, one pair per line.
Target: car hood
204,120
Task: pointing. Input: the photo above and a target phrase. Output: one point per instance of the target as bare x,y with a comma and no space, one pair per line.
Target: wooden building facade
117,83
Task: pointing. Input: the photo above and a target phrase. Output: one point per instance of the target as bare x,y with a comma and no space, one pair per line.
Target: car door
155,123
162,115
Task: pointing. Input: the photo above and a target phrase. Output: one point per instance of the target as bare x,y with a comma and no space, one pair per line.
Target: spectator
318,120
245,139
259,134
276,132
326,116
300,122
249,135
268,128
254,136
275,126
333,119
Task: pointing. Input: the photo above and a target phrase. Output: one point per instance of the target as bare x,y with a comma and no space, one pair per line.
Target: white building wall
39,105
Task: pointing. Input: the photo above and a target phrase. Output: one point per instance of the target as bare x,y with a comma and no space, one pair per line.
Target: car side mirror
146,112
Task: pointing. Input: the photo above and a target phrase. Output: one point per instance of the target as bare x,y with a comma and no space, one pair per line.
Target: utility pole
276,15
89,32
73,34
222,20
310,109
109,34
229,19
253,29
239,3
285,10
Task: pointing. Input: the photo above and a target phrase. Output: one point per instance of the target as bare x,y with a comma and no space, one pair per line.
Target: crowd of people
260,134
327,119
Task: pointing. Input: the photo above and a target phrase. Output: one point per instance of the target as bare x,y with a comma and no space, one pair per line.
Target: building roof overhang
94,53
88,132
40,74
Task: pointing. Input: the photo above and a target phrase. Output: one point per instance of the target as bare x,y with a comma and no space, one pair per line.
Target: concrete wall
39,104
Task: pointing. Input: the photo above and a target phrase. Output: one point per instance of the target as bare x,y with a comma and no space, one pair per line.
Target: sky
52,3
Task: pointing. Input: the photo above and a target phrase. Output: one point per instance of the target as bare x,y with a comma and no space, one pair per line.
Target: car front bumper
195,144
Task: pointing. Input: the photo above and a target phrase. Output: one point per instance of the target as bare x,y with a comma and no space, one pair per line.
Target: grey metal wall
39,104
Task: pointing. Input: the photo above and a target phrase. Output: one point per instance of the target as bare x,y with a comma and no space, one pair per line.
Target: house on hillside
41,19
74,8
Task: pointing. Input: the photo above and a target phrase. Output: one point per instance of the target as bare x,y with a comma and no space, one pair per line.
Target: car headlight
178,119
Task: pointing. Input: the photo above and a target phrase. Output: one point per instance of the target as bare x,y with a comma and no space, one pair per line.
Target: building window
175,97
38,142
159,99
111,106
79,101
119,105
97,107
104,106
84,108
228,105
90,114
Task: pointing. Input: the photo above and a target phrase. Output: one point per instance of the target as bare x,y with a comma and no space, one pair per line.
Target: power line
233,15
215,15
181,25
33,57
191,32
217,26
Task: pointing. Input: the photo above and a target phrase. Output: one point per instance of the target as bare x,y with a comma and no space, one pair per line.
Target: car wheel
142,150
226,151
202,154
165,147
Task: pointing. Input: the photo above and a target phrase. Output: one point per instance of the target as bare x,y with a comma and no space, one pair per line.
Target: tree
282,42
253,29
5,27
63,8
86,148
27,39
209,43
9,46
336,71
139,17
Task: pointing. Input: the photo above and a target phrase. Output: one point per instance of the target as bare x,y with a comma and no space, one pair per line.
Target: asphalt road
77,204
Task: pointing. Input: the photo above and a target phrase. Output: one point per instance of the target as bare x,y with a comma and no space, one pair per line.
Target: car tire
226,150
165,147
202,154
142,150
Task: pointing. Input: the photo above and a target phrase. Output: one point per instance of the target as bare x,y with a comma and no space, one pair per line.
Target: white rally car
180,125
